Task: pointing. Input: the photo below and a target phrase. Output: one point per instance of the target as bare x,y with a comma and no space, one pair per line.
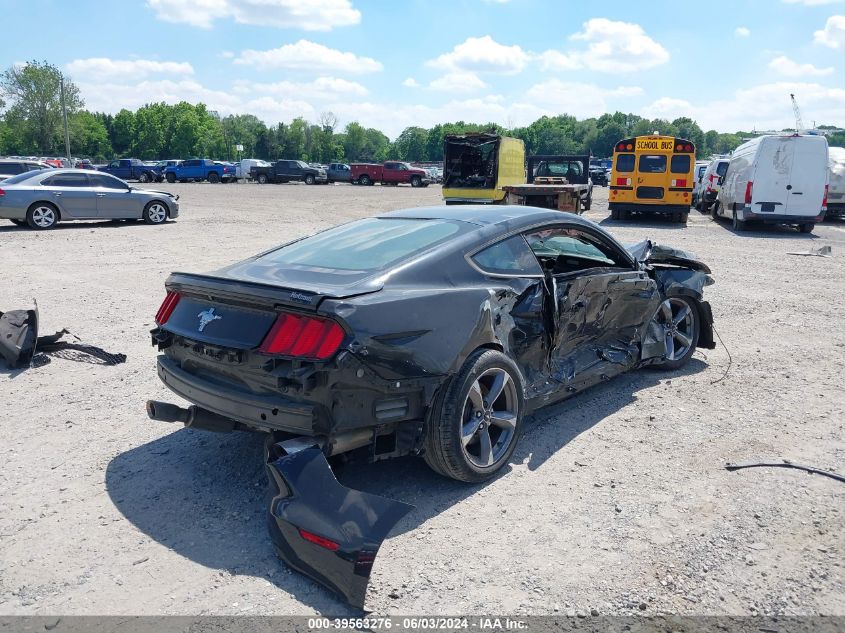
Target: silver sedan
43,198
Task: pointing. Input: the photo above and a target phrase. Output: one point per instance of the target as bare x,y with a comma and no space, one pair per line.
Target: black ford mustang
429,331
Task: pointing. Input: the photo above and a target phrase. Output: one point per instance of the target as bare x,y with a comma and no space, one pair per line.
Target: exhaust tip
166,412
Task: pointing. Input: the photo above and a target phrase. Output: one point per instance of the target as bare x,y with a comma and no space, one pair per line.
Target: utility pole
64,116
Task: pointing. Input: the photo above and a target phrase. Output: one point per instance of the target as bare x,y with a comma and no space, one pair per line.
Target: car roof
490,214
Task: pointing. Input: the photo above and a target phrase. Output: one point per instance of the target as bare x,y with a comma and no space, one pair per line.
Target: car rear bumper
651,209
746,215
835,210
262,411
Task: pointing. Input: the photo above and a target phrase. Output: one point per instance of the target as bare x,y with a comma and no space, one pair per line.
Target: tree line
31,124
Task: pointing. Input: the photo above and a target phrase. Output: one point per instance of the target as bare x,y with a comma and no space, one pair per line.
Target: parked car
84,163
698,174
574,168
197,169
242,168
161,166
130,169
711,183
43,198
599,176
836,189
430,331
57,162
13,167
289,171
390,173
776,179
339,172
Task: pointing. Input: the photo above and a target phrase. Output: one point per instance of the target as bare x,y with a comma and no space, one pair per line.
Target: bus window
680,164
625,162
653,164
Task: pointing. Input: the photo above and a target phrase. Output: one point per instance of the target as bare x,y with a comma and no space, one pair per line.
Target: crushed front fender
323,529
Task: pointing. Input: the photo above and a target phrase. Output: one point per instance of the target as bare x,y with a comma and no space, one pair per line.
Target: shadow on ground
202,494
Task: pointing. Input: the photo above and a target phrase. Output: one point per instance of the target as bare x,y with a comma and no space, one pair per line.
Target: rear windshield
366,245
722,168
680,164
653,164
625,163
21,177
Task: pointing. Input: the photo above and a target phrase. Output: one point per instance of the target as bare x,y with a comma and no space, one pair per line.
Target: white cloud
227,54
482,54
579,99
410,82
833,33
321,88
104,69
742,31
764,107
310,15
791,68
458,82
613,47
305,55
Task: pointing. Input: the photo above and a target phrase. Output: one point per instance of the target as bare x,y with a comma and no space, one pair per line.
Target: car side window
508,257
563,250
107,182
66,180
11,168
114,163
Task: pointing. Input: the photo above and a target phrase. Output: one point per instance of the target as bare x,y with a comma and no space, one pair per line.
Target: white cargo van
711,181
776,180
697,176
836,190
242,168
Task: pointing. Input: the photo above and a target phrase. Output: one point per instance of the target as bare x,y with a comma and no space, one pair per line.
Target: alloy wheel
488,423
157,213
676,319
44,217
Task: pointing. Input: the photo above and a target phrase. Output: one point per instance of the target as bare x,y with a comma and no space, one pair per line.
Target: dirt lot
615,501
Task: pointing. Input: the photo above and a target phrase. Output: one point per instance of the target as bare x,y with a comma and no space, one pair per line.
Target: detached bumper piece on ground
323,529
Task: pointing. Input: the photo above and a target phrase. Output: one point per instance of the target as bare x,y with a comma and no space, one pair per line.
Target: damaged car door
601,305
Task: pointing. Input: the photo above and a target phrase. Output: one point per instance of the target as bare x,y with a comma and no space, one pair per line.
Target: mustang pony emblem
206,317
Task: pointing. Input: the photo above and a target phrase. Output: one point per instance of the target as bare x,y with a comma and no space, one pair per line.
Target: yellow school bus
652,174
477,165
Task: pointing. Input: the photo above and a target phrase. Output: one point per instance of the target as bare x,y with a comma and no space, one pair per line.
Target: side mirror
721,179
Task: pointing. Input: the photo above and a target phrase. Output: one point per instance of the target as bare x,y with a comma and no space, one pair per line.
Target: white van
776,180
836,190
697,175
242,168
711,181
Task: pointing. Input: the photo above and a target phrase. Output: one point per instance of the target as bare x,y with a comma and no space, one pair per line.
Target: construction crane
799,124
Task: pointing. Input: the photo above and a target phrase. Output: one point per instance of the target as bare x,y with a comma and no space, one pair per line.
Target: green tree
88,136
34,92
123,132
411,144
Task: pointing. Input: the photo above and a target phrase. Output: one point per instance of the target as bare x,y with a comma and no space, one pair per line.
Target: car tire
171,178
614,214
807,227
587,203
714,211
416,181
684,218
262,179
144,177
309,179
364,180
155,212
42,216
738,225
467,438
213,177
686,321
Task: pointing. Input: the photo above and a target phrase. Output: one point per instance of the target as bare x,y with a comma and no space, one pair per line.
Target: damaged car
430,331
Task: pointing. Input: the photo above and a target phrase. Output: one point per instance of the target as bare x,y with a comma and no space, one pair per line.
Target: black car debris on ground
430,331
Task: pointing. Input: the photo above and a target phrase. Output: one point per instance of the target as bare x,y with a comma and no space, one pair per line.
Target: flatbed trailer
547,195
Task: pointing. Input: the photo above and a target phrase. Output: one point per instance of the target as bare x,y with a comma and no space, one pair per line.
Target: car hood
649,252
162,193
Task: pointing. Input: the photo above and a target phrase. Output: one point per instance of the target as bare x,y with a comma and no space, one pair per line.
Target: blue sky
391,64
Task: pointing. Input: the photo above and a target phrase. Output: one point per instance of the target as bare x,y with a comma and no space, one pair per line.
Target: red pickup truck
391,173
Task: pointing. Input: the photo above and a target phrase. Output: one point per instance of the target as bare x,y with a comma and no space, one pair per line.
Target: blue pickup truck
130,169
199,169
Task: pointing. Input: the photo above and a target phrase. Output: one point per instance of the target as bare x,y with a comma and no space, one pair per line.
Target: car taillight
319,540
2,193
748,190
824,200
303,337
167,307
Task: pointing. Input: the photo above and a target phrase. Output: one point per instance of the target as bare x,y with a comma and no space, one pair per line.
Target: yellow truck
476,167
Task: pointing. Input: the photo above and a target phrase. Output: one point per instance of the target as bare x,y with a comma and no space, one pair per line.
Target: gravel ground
615,502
